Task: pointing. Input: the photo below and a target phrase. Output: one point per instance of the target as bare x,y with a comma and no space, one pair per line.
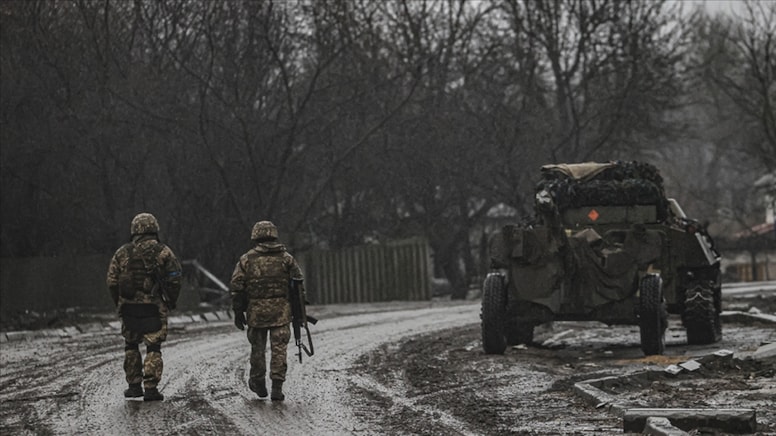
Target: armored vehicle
605,244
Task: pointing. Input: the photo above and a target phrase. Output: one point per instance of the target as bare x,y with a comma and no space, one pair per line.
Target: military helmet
144,223
264,230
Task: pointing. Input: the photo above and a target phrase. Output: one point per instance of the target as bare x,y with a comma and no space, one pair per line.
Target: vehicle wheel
493,314
701,314
653,317
517,332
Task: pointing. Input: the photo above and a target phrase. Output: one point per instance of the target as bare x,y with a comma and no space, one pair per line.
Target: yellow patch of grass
656,360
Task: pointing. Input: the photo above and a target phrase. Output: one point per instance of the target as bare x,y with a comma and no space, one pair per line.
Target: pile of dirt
720,384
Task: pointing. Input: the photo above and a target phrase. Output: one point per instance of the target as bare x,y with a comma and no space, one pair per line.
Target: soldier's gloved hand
239,320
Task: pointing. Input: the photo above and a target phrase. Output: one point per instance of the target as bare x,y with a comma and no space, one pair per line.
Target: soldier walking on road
260,287
144,279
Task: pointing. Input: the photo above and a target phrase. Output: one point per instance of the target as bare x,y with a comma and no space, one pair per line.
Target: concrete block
690,365
47,333
89,328
724,420
598,398
3,338
22,335
765,352
210,316
747,318
71,331
662,427
555,340
115,325
223,315
673,369
179,320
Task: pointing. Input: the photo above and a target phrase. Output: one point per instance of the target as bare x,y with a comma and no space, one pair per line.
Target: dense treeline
354,121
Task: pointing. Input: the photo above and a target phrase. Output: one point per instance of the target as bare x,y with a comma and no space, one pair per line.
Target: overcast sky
715,6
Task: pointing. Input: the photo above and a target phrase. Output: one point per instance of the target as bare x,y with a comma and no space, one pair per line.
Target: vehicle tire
493,314
517,332
653,317
701,314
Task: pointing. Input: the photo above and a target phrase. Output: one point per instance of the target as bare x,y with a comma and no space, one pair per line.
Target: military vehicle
605,244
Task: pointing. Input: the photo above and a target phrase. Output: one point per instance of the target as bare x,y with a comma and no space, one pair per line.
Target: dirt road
417,370
74,385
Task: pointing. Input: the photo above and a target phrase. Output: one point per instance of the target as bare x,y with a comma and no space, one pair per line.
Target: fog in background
359,122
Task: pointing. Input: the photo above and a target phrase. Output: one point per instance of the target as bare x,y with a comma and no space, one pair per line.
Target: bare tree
608,70
345,122
740,62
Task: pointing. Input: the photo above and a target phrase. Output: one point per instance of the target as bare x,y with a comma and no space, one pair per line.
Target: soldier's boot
277,391
152,394
259,386
133,391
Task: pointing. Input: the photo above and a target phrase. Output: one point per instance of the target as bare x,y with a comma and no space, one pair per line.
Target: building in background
750,255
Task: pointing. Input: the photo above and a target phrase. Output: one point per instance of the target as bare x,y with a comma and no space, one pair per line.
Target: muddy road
390,369
442,384
74,385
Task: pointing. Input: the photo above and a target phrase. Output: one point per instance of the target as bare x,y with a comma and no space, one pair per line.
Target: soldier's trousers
278,339
149,370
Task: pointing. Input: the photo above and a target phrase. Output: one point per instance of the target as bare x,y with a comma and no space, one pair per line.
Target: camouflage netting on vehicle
621,184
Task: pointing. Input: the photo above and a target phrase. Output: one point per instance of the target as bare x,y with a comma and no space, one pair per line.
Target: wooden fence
386,272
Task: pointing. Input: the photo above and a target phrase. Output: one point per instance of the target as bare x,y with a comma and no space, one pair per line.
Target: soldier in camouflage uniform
144,279
260,286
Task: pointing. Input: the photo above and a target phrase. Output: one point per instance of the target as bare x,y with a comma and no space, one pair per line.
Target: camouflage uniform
158,258
260,284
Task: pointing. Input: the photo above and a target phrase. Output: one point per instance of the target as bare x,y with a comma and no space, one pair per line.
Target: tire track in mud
186,407
416,399
46,382
102,409
398,401
316,390
220,383
347,344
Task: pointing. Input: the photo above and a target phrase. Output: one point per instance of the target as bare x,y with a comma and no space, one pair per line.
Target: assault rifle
160,286
300,318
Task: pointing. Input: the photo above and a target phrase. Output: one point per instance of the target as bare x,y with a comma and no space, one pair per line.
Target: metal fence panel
394,271
371,273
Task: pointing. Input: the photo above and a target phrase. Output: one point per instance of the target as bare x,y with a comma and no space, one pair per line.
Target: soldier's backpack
141,317
141,271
